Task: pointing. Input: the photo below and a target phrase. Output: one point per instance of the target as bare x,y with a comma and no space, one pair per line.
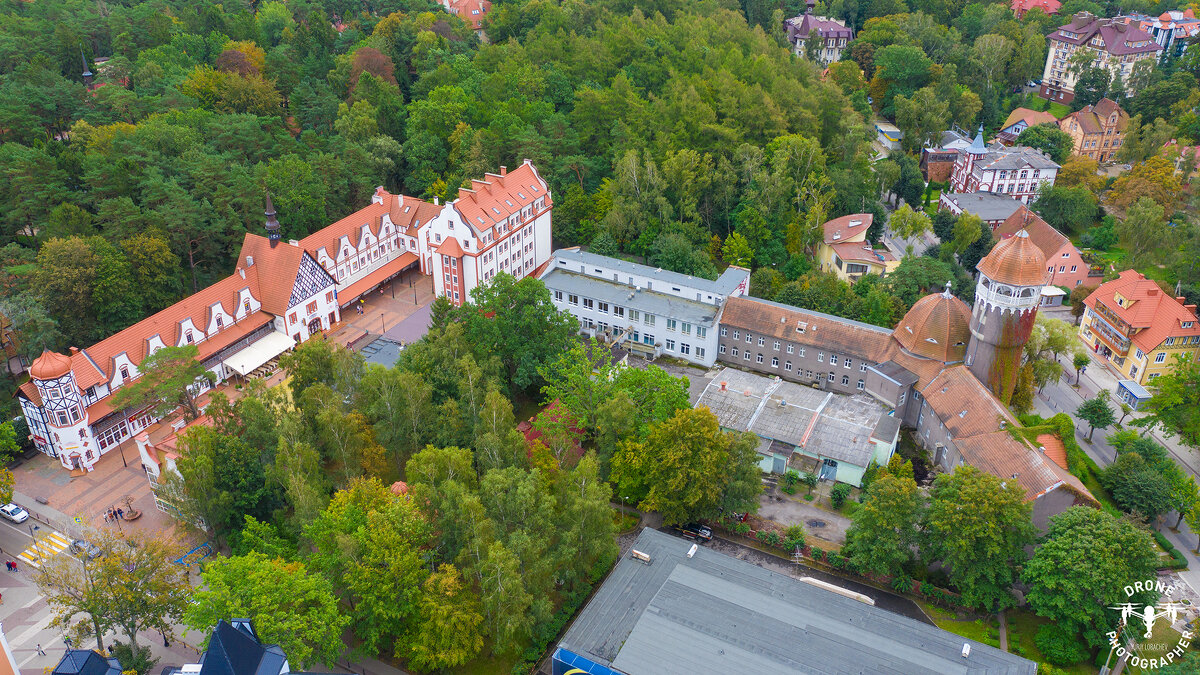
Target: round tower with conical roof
1007,293
66,416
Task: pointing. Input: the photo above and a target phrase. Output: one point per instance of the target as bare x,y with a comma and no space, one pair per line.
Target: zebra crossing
48,544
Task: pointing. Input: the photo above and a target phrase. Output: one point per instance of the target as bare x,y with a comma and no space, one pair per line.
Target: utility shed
712,615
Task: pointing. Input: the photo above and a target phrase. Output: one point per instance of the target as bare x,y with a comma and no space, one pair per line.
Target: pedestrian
120,513
15,566
41,652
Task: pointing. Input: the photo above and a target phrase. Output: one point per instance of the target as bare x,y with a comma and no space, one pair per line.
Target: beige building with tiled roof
1138,327
1098,130
845,251
1109,43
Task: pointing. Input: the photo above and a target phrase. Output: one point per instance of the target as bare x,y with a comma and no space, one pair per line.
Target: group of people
113,514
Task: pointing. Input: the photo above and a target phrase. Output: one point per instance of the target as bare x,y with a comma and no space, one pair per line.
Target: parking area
793,509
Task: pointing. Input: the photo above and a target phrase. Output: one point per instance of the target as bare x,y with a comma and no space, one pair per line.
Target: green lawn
984,630
1057,109
624,521
1022,626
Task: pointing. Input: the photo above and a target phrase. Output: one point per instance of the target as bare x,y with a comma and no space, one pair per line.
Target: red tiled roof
1015,260
1094,119
1118,36
407,213
493,200
29,389
937,327
1055,449
1019,7
1031,117
365,284
450,247
464,8
95,364
1147,308
781,321
280,264
1004,456
847,227
1043,235
964,404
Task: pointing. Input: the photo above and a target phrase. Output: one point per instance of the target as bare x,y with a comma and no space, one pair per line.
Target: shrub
138,659
838,495
794,537
769,537
1178,561
791,478
741,528
851,506
1059,646
902,584
808,497
818,554
810,479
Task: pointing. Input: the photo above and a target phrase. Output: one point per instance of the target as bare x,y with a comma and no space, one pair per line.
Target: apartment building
1108,43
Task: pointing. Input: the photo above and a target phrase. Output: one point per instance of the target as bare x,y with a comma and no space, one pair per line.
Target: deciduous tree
1175,405
979,526
884,528
449,628
1097,413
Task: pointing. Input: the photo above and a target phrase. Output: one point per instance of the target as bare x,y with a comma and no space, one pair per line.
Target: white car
14,513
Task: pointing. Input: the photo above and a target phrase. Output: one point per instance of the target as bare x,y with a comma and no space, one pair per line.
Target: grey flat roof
713,614
643,300
782,411
986,205
895,372
724,285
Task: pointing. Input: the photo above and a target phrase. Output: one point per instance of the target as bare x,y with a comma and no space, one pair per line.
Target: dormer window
220,322
189,337
1188,324
124,372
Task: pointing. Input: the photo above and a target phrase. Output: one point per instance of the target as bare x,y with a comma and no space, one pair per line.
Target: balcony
1118,343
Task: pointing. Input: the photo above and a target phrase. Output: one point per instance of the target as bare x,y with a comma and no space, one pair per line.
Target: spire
272,224
87,74
977,146
946,293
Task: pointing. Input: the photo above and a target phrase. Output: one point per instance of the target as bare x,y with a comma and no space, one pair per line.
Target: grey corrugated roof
895,372
843,429
724,285
986,205
653,302
714,614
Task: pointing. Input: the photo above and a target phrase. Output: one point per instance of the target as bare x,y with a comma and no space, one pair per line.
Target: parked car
695,531
14,513
83,547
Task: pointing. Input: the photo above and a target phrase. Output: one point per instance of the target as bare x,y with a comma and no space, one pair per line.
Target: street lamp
382,324
36,546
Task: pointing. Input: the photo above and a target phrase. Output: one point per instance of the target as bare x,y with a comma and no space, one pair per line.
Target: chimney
724,386
87,74
436,201
380,193
272,224
503,170
242,272
73,351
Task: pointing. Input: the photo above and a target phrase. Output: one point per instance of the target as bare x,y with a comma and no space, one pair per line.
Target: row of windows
834,359
634,315
787,365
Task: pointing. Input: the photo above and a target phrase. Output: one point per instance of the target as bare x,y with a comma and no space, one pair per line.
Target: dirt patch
776,507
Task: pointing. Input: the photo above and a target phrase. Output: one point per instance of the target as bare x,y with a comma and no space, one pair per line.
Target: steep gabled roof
1030,117
493,200
1042,234
280,264
1146,307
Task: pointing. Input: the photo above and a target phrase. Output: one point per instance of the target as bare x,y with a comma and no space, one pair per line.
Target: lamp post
36,546
382,324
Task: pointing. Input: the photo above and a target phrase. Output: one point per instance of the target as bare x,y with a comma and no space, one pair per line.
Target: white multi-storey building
644,310
1017,172
500,224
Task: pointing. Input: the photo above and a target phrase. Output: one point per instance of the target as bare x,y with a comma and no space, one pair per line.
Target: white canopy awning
271,345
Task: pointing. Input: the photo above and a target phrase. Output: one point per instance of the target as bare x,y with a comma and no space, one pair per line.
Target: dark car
83,547
695,531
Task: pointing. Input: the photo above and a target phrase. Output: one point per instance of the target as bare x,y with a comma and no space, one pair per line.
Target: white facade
644,310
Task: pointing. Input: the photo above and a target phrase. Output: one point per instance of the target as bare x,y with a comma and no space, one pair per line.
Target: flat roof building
712,614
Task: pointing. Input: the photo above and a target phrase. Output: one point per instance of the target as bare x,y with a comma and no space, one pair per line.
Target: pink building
1064,263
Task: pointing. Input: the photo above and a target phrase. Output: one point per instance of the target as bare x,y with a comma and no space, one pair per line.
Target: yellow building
845,251
1138,327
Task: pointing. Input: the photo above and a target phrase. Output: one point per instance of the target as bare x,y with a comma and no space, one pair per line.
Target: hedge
1178,560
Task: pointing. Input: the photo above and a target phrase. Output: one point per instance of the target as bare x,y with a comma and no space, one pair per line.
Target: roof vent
693,549
747,392
837,235
855,223
249,261
966,649
724,386
783,319
1015,476
1042,449
782,403
644,557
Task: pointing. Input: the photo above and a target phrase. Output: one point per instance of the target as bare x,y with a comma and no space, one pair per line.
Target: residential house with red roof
1017,172
1065,265
1110,43
1019,120
1019,7
1098,130
471,11
1139,327
845,251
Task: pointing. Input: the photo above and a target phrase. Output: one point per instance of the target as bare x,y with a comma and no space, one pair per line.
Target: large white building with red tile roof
499,224
282,293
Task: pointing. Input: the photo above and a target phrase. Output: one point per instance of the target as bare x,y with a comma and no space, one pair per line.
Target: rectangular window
734,353
833,359
758,359
573,299
1138,354
720,349
1170,341
1160,357
1074,267
862,367
737,335
903,394
701,332
618,311
831,377
685,348
602,307
647,339
774,361
845,380
801,354
311,308
777,345
671,324
634,315
787,365
749,338
686,329
220,322
648,319
670,345
746,355
820,357
699,352
846,362
588,303
791,349
861,385
761,342
724,331
558,295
